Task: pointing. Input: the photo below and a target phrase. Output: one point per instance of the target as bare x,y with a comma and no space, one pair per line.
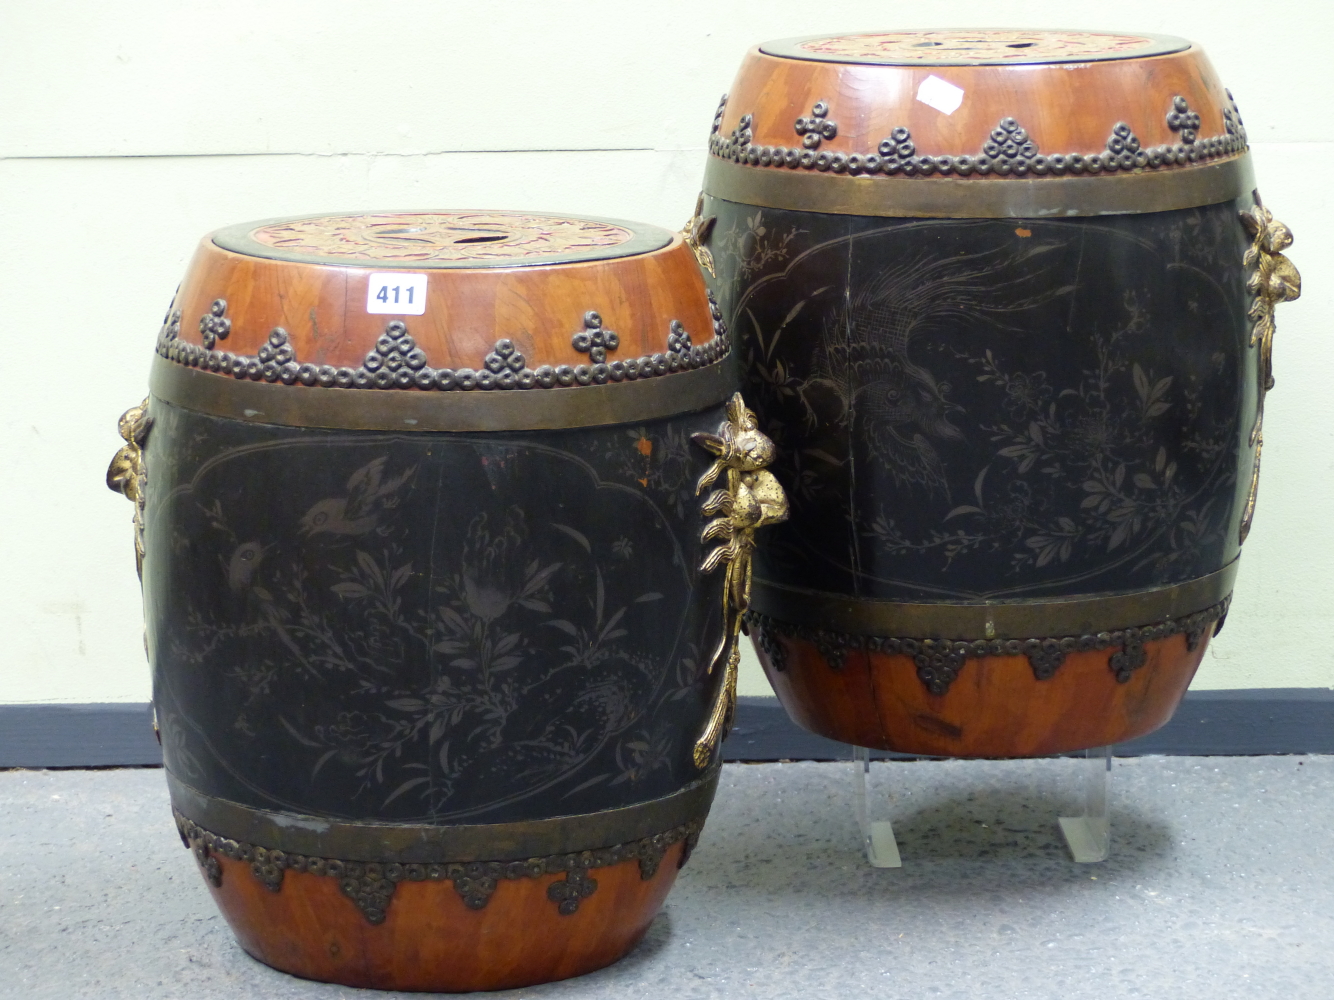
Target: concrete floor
1220,885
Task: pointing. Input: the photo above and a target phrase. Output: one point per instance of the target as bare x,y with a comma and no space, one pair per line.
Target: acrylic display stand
1088,835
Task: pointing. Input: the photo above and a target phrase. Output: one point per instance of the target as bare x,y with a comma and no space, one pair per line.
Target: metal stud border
939,661
371,885
1008,152
396,362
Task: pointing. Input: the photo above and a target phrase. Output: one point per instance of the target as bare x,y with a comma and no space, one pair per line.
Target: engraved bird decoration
368,492
243,563
901,409
127,474
750,498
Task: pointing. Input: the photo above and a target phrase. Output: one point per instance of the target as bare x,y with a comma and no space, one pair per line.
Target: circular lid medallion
441,239
973,47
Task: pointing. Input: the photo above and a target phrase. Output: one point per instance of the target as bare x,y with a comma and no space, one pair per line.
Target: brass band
991,620
408,843
423,410
978,197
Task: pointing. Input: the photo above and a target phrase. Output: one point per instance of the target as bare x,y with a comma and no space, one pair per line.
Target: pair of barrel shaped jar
447,521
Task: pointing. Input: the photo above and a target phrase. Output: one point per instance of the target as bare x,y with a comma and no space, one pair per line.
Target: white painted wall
129,129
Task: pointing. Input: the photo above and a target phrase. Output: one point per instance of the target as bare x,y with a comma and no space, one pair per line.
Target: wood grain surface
1065,107
430,940
994,708
538,307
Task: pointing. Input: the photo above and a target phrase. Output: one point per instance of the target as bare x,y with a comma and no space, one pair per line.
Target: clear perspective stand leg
1088,835
882,850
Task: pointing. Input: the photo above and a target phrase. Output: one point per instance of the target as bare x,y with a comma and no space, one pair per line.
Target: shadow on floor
953,837
1010,823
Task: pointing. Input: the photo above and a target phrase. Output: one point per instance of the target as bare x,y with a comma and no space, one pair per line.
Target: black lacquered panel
970,409
428,627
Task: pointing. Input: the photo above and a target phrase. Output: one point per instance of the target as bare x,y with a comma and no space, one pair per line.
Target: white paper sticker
942,96
397,293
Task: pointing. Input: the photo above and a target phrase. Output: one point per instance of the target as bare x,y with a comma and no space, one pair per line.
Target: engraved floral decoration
440,236
487,622
989,45
1274,280
500,661
935,444
1095,435
753,246
455,670
925,383
750,498
660,459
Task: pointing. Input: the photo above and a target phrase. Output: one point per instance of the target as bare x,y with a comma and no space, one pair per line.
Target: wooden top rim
432,239
973,47
984,120
334,314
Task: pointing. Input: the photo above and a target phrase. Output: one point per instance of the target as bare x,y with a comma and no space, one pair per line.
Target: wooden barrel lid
441,239
446,302
990,122
973,47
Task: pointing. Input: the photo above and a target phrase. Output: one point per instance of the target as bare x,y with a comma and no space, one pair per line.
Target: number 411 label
398,293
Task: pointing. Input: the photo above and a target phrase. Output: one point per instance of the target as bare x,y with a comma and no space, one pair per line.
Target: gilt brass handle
127,475
697,232
749,499
1274,280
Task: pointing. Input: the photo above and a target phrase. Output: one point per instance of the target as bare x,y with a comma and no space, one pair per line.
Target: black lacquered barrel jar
439,669
1004,301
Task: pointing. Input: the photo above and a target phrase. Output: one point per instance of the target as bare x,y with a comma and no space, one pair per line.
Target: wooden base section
430,940
994,708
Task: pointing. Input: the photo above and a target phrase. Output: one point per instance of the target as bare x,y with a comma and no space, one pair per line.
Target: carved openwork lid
441,239
448,320
978,123
973,47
